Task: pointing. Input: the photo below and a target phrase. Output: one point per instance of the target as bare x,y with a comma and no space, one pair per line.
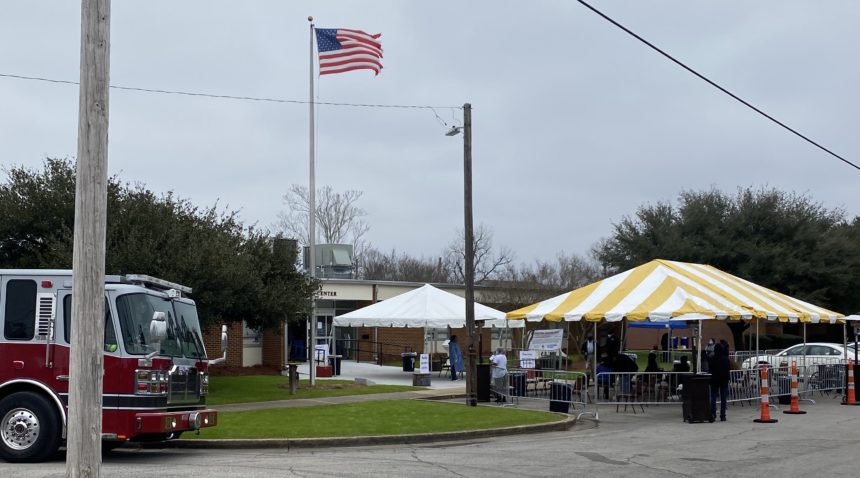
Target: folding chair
446,365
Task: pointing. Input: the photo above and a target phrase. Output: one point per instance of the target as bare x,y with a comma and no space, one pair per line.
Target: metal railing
639,388
562,390
379,352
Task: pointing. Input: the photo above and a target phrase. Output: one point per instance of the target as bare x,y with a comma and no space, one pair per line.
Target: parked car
816,353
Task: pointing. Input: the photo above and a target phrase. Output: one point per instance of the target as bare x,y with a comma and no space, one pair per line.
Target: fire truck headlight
194,421
169,423
151,382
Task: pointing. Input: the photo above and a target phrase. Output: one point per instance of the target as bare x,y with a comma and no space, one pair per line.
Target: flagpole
312,212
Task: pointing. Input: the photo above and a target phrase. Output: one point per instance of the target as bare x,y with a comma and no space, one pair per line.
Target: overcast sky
576,124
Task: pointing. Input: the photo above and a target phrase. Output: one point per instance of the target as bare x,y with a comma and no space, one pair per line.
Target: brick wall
396,340
273,348
644,339
212,341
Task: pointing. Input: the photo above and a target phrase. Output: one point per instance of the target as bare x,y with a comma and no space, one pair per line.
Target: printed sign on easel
527,359
424,363
547,340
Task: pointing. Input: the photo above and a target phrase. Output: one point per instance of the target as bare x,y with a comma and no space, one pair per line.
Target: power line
736,97
231,97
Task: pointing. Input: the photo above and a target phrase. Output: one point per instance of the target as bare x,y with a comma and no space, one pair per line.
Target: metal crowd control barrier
562,390
637,389
825,379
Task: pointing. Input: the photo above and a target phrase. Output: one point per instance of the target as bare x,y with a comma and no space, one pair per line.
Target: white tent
425,306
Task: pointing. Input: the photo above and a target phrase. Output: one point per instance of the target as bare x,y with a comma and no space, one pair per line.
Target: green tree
232,268
784,241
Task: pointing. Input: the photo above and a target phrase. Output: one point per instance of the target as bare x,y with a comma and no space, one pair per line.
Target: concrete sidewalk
441,387
384,375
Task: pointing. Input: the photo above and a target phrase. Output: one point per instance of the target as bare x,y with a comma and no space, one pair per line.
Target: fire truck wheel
29,428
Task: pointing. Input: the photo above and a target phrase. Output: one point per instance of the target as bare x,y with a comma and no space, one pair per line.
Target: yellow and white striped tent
661,290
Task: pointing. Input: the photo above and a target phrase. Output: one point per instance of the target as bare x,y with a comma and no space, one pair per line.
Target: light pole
469,252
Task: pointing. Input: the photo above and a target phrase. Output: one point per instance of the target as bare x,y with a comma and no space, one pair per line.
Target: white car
816,353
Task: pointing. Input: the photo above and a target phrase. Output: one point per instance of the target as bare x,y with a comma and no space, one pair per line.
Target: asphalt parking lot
652,444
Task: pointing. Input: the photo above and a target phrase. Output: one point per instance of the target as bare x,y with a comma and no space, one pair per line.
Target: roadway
654,444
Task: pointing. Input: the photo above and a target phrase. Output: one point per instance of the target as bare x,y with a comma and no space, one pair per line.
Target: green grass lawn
388,417
266,388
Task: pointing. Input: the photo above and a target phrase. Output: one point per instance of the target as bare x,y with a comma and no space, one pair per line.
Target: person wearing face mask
708,355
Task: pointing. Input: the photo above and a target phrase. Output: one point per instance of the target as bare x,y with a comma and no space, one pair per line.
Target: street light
469,250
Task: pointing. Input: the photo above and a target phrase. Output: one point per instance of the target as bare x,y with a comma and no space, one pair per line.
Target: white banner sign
527,359
549,340
424,363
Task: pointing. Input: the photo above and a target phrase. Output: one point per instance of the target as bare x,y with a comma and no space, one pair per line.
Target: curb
288,443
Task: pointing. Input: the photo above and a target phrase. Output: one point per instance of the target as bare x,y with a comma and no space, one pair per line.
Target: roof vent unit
332,261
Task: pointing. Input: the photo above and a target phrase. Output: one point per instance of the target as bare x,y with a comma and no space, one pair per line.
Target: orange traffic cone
795,400
765,400
851,399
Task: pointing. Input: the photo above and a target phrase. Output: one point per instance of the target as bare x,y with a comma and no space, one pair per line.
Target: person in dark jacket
652,361
684,366
664,345
612,346
623,363
719,367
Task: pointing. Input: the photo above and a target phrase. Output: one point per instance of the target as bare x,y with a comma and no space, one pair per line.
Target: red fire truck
155,367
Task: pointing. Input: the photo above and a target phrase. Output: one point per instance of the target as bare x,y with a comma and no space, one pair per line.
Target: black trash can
483,382
696,396
518,383
408,361
559,395
334,361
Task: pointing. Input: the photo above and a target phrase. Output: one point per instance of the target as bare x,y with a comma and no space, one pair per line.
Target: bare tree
517,286
488,262
376,265
339,219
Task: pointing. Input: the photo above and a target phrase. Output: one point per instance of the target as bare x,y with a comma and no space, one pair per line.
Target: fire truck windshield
183,330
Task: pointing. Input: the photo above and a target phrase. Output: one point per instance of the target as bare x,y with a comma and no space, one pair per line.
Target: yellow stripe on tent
628,285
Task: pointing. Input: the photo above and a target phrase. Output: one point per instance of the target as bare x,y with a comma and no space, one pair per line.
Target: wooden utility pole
83,457
469,259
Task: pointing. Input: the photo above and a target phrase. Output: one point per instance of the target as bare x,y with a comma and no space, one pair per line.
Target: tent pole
845,339
596,358
669,348
757,350
567,348
698,347
804,345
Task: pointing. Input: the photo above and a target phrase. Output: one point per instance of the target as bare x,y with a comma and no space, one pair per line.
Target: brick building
273,348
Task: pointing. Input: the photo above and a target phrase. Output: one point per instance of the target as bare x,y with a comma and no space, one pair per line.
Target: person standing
708,355
612,346
588,351
456,357
652,361
719,368
499,371
664,344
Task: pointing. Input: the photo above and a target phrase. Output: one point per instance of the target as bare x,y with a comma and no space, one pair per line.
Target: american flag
342,49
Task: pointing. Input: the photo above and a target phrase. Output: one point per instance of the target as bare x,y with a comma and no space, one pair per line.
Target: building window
251,337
